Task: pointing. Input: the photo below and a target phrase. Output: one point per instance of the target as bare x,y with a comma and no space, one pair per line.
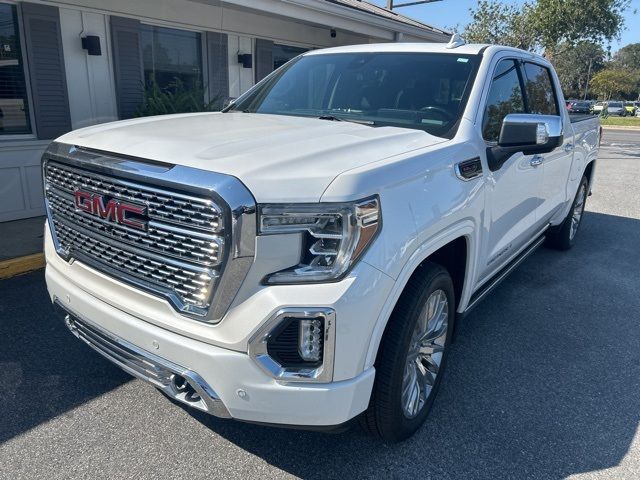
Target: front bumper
234,383
176,381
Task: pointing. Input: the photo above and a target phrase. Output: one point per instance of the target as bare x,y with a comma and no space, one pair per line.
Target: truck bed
580,117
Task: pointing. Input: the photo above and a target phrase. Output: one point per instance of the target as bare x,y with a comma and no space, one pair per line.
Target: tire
563,237
388,416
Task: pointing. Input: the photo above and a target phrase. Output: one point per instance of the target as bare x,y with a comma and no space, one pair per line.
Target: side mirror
526,133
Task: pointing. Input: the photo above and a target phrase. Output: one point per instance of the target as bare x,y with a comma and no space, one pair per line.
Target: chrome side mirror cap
527,129
530,134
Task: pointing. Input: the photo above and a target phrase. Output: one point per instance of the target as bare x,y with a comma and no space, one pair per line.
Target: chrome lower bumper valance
178,382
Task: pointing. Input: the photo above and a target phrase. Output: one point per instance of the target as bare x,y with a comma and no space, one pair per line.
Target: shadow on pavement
44,370
543,380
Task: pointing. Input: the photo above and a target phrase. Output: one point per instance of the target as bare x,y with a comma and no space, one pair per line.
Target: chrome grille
163,205
180,255
199,247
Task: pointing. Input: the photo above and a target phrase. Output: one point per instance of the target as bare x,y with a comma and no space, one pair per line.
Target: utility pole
391,5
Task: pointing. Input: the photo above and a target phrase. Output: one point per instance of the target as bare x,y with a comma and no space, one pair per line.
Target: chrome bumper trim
177,382
259,353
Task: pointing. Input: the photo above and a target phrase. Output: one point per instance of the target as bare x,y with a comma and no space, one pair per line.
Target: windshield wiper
333,118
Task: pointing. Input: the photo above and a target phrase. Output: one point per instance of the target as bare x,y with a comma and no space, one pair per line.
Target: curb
18,266
621,127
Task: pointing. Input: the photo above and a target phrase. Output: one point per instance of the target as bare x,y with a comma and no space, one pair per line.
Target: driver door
513,190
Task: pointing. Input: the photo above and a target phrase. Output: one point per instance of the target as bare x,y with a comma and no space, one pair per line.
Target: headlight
334,236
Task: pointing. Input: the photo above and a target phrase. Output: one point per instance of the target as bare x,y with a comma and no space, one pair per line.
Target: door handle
568,147
536,160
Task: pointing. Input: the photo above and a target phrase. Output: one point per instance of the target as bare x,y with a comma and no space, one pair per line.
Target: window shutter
218,60
46,68
264,58
127,58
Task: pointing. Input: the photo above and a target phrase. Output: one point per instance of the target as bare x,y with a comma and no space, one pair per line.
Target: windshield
413,90
615,104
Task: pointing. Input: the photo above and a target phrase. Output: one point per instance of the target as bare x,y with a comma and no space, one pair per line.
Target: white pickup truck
301,258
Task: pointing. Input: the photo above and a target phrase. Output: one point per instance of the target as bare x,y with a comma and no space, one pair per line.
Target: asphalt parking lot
542,382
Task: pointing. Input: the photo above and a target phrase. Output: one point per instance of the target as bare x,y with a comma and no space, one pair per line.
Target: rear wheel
412,356
564,235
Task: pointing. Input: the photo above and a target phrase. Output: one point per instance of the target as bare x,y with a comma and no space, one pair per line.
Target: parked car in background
579,106
630,107
616,108
598,107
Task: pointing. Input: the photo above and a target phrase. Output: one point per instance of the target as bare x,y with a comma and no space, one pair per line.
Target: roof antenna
456,41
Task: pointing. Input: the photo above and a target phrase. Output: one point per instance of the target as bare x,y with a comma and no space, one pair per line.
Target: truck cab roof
400,47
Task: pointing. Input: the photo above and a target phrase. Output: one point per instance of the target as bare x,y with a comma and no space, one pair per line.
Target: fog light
297,345
310,339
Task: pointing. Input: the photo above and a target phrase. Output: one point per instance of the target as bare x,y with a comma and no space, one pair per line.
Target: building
68,64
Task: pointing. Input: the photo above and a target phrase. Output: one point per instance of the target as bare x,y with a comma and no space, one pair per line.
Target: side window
14,108
539,87
505,97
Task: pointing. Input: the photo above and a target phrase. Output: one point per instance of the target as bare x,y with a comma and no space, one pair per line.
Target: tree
628,58
496,23
613,82
546,25
569,22
575,65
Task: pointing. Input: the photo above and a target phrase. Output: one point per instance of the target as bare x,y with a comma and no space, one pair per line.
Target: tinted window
171,57
505,97
14,108
412,90
283,53
540,94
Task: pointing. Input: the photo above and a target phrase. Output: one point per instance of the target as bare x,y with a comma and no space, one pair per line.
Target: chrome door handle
536,160
568,147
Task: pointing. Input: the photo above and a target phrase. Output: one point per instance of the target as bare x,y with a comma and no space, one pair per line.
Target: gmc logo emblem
114,210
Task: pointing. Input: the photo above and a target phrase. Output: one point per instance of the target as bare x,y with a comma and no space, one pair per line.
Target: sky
449,13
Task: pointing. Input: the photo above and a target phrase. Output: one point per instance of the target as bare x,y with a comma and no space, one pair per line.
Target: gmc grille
180,255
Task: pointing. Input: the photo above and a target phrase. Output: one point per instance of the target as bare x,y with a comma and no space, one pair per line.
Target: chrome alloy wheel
425,353
577,211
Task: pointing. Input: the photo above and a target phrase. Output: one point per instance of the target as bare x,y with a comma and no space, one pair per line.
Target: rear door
542,98
513,189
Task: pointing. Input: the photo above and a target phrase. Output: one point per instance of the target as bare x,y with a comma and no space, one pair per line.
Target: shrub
175,98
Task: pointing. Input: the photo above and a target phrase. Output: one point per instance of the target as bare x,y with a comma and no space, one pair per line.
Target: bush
175,98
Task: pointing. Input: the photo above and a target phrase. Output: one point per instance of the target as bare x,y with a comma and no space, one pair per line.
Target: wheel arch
455,250
589,172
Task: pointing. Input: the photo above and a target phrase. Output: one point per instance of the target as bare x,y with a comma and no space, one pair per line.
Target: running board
488,287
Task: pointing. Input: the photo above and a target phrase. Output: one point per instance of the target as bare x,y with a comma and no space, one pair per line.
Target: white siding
20,180
240,78
89,78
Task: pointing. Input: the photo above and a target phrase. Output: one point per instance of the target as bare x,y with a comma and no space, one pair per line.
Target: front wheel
412,356
563,236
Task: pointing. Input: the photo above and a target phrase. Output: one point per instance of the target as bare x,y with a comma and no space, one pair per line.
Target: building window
283,53
172,57
14,105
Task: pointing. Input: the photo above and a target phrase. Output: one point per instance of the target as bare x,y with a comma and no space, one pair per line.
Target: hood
279,158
